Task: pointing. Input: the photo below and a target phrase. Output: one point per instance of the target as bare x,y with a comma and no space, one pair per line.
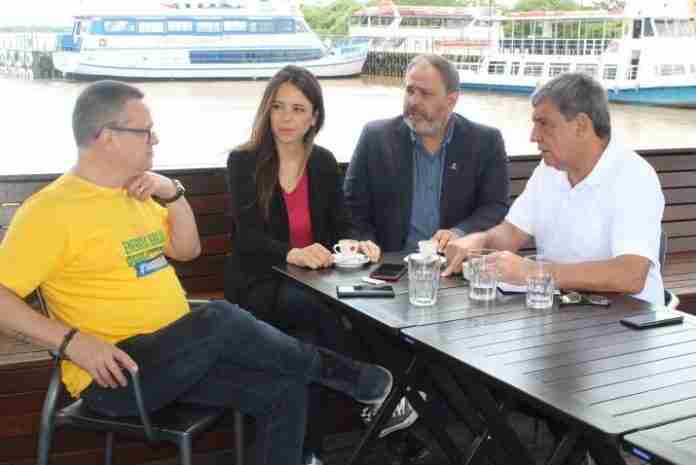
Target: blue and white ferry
202,41
645,53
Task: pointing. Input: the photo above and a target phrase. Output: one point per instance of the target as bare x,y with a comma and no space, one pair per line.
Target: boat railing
551,46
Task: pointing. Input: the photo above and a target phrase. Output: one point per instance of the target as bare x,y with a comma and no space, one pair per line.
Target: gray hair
575,93
448,73
99,104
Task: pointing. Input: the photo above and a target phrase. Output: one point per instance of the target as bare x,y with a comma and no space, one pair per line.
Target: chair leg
239,438
45,437
109,449
185,452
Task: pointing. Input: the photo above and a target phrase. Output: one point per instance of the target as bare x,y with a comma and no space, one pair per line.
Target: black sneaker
403,416
310,458
364,382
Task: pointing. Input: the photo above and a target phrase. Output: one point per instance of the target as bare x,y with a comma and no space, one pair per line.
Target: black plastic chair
178,423
671,299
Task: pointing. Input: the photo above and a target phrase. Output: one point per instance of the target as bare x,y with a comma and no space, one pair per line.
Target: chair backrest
663,250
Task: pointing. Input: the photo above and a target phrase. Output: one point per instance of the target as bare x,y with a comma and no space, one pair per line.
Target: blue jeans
221,355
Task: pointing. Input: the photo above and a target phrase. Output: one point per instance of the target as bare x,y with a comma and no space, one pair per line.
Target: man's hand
512,268
457,250
370,249
443,237
146,185
314,256
102,360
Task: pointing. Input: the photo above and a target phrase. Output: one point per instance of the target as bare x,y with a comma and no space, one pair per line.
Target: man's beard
425,126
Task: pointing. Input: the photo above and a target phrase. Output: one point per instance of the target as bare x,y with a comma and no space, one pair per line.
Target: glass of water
540,283
423,278
483,274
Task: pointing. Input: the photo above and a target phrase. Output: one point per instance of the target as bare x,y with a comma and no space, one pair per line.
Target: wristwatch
180,190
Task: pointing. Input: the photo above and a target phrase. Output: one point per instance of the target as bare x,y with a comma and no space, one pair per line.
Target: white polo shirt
616,210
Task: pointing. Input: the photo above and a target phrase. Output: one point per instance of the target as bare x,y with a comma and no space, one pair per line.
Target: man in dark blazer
429,173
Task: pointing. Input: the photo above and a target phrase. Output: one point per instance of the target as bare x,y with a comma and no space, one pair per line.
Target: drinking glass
540,282
423,278
483,274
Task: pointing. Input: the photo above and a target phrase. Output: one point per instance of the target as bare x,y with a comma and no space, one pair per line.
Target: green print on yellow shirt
144,248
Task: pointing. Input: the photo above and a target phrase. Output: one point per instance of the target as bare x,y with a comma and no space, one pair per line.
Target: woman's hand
370,249
314,256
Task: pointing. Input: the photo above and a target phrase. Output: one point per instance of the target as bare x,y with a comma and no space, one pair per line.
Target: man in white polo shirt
592,206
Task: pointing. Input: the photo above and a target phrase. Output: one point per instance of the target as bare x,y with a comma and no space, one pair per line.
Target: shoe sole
410,420
382,398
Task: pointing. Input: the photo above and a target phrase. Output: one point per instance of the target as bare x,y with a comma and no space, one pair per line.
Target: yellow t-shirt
98,256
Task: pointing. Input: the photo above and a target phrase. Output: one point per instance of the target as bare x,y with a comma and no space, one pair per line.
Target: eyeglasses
149,133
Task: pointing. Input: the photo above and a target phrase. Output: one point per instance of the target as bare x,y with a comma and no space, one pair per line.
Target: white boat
178,41
410,28
643,54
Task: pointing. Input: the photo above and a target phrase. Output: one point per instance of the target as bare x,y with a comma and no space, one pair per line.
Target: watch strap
180,191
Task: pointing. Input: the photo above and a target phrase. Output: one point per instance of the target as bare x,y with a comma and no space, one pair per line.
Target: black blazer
379,182
258,245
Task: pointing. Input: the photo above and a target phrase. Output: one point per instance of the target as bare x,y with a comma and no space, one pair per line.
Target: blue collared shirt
428,170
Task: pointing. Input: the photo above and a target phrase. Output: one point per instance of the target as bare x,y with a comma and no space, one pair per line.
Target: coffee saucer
350,261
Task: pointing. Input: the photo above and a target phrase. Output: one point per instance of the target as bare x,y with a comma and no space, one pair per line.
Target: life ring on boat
102,42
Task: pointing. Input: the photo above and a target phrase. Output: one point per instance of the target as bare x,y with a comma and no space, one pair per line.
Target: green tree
609,4
332,18
548,5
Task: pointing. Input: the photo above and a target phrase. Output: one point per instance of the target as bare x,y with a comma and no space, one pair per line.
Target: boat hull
678,97
76,65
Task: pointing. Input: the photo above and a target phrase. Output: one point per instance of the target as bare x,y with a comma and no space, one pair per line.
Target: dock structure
27,55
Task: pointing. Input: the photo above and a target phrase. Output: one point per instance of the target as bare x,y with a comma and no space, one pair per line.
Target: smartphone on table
389,271
653,319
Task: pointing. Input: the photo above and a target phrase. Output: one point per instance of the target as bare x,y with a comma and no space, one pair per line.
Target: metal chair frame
191,420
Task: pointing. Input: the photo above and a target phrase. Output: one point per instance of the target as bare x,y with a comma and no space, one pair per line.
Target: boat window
558,68
285,26
609,72
301,27
671,70
118,26
590,70
364,20
387,20
533,69
455,23
685,28
234,25
637,29
263,27
515,68
150,27
410,22
614,29
436,22
496,67
209,27
648,28
180,26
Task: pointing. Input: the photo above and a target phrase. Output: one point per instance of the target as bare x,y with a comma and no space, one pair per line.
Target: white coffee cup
348,248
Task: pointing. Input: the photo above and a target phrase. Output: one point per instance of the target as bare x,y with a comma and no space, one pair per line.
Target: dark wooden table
379,323
673,443
577,365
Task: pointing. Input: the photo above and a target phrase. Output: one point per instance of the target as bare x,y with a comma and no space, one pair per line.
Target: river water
198,121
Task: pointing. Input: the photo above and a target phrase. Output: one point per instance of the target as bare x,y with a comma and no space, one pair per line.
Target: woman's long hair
262,141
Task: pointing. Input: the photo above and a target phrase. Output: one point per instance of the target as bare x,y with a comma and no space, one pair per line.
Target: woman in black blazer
287,206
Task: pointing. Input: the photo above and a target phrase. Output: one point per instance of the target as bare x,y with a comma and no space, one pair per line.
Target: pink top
300,221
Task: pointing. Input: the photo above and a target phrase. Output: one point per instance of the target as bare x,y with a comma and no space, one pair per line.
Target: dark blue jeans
221,355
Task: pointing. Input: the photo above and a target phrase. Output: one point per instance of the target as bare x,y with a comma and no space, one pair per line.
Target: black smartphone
651,320
389,271
364,291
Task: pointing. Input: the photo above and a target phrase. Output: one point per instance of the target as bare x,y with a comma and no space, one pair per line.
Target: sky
52,12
